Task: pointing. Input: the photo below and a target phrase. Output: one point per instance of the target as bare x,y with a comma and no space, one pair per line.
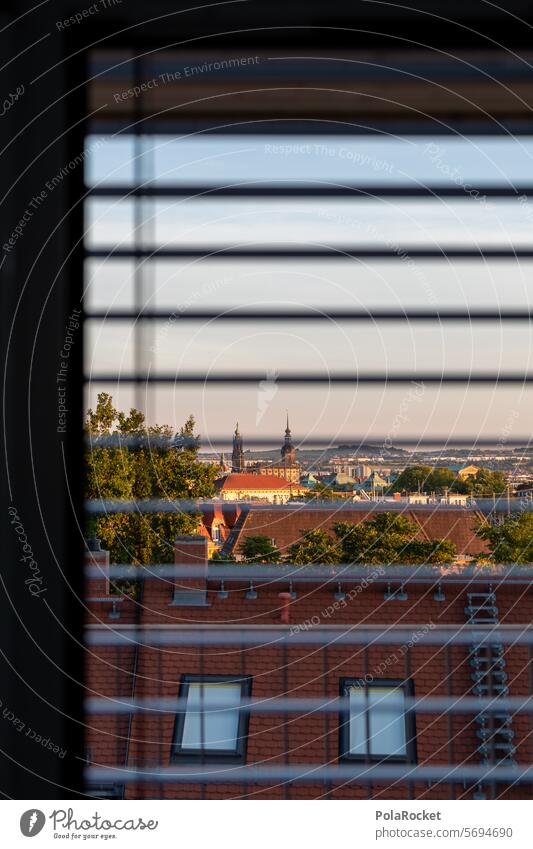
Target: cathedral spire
288,451
237,455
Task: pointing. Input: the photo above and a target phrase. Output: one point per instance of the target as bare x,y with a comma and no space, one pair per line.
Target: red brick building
246,486
313,653
285,525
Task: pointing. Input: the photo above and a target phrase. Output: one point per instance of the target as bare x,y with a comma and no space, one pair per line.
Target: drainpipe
285,604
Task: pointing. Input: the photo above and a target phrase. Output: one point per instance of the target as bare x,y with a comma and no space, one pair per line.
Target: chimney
191,551
98,561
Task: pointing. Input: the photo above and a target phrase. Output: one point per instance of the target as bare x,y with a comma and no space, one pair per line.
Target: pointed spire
237,456
288,452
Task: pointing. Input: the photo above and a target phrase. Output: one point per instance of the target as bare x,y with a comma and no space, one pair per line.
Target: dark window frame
407,685
238,754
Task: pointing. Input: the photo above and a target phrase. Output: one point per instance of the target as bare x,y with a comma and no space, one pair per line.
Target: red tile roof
248,481
286,524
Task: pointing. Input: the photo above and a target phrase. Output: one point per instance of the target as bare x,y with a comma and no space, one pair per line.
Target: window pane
328,284
109,346
221,724
390,223
110,160
387,721
361,160
328,347
109,284
109,223
357,721
204,284
365,412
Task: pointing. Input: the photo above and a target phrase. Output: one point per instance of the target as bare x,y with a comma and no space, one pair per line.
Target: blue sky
208,284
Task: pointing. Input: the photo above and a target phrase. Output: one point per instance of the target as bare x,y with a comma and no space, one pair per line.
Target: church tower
237,455
288,451
288,467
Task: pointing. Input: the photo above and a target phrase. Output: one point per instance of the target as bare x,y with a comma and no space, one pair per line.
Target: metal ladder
494,729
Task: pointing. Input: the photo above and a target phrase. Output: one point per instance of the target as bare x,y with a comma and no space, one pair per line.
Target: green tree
379,540
260,549
132,424
442,479
320,492
412,479
389,538
430,551
100,422
486,483
151,468
439,479
512,540
217,557
315,546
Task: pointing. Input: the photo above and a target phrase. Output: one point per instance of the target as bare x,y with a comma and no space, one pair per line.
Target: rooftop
248,481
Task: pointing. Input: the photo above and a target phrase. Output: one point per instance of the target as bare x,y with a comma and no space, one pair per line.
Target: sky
270,349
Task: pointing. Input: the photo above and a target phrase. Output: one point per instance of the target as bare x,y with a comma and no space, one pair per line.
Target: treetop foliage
388,538
147,470
512,540
436,479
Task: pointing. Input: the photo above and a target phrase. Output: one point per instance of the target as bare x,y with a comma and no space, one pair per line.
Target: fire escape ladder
487,661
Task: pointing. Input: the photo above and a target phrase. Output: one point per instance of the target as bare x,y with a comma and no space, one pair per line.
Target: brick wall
302,671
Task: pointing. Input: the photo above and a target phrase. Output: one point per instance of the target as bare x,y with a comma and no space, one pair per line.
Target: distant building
217,523
349,467
339,482
464,472
309,480
455,498
237,455
419,498
374,482
254,487
223,467
288,468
